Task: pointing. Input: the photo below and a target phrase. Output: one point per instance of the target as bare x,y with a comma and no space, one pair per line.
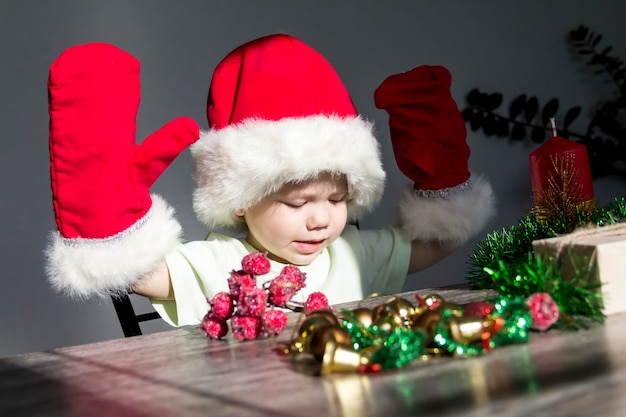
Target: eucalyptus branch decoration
605,136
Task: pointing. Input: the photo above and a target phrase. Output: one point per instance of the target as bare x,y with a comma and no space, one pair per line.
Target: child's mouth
308,246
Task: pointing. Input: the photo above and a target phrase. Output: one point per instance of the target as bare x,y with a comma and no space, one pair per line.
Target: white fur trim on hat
83,268
235,167
450,220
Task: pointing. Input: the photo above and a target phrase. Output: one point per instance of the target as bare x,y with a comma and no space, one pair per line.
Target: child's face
296,223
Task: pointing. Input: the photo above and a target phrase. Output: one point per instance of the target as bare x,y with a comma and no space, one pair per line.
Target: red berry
294,275
245,327
251,302
256,263
222,305
213,327
239,280
544,311
281,290
315,301
274,321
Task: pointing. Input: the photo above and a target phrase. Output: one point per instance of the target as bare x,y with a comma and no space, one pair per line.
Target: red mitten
428,136
111,231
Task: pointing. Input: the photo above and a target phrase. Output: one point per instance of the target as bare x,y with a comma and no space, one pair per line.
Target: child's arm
425,254
156,284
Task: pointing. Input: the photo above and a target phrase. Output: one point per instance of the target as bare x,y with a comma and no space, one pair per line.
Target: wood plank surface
182,373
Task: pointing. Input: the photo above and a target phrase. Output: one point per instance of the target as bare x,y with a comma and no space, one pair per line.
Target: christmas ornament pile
389,335
397,332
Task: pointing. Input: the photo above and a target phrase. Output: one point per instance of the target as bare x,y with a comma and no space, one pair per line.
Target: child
286,159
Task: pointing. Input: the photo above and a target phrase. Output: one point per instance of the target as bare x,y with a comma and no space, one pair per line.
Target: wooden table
182,373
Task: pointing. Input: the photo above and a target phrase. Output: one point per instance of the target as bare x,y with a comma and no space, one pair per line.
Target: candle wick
553,126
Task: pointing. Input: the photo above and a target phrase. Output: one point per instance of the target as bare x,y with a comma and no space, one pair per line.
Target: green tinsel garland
578,298
504,261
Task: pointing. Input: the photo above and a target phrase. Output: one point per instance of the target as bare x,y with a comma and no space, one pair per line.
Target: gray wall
509,47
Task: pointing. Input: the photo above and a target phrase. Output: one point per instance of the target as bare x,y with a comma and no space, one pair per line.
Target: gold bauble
469,329
427,321
363,316
323,335
326,313
307,328
339,357
432,300
402,309
396,312
436,302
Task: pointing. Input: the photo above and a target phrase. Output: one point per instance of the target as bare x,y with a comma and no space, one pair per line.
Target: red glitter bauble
478,309
544,311
256,263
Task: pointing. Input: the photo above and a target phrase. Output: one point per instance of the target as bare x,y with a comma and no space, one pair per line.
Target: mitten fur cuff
450,219
84,268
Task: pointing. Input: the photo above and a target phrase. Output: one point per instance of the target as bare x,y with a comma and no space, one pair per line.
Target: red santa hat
279,113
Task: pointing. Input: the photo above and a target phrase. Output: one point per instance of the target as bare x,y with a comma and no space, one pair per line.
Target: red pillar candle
561,177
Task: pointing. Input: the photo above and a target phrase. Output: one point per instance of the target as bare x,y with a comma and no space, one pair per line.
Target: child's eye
293,204
337,200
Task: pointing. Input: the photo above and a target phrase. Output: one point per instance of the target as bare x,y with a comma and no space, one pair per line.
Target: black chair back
127,317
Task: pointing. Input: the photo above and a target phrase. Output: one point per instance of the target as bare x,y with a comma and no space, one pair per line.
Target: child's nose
318,219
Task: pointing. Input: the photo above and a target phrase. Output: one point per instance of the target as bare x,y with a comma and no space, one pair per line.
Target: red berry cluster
252,310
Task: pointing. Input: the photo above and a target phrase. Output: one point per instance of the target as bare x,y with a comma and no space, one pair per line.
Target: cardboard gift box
602,248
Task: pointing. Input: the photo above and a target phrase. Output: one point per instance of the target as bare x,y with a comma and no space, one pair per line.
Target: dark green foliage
605,136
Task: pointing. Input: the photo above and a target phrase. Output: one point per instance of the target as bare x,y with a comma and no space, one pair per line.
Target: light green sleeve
385,256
